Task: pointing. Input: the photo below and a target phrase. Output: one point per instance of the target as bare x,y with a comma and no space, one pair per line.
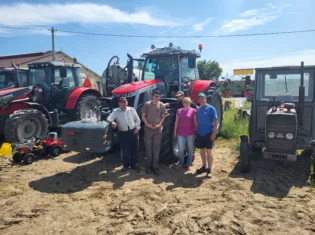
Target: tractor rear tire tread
166,153
11,131
85,99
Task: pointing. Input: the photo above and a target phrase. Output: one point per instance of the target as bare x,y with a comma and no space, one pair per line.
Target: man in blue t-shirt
207,124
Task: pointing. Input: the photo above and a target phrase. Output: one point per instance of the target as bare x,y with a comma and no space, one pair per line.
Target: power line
159,36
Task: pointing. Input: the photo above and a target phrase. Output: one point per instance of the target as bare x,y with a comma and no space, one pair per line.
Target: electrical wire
159,36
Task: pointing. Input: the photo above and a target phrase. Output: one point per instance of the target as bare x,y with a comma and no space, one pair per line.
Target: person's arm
195,121
215,124
137,121
167,105
144,114
163,111
111,119
175,127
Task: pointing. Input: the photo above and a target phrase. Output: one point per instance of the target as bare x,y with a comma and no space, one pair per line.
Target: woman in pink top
185,126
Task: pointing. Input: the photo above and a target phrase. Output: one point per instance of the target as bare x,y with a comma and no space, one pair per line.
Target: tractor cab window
2,80
283,84
186,71
23,78
78,76
67,82
40,76
165,68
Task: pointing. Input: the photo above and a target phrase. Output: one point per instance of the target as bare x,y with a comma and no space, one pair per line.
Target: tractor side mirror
191,62
63,72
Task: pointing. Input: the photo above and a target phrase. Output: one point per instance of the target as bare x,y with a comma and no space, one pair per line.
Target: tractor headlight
271,135
289,136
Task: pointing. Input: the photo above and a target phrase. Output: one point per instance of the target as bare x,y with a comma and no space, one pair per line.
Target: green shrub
233,126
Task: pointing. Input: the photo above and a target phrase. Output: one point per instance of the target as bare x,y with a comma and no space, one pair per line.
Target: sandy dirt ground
80,194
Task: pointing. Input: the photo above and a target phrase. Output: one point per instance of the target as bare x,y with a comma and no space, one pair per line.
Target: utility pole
53,43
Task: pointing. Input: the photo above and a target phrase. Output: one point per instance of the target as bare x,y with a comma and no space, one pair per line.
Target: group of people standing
193,127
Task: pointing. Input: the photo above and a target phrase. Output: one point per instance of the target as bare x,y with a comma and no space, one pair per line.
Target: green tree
209,70
140,65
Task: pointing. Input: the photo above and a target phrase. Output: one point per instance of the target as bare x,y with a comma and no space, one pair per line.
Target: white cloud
292,58
199,27
22,14
249,13
251,18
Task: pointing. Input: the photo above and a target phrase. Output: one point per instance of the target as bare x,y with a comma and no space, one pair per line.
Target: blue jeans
184,141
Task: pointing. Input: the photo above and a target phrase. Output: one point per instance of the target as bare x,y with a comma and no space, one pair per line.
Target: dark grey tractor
282,115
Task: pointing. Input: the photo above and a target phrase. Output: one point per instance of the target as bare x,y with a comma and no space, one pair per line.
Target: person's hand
114,125
154,127
212,137
149,126
174,136
136,132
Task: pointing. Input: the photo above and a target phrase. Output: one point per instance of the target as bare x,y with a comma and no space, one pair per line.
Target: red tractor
168,70
56,96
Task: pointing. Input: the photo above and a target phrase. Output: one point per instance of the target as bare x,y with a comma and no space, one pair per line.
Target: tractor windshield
164,67
284,83
3,80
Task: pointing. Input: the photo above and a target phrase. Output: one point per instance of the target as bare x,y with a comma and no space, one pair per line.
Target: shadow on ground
105,169
273,178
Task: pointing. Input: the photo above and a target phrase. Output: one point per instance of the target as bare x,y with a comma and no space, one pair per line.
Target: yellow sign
243,71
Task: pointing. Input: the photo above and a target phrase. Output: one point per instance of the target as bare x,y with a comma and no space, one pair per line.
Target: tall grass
233,125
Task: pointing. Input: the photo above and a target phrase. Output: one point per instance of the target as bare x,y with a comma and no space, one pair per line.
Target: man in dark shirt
179,96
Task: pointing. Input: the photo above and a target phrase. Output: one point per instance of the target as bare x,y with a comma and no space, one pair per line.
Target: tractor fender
41,108
199,86
77,93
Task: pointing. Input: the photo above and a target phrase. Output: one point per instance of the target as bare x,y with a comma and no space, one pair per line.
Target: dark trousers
129,148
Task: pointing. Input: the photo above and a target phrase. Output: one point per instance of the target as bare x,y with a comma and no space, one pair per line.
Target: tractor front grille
281,124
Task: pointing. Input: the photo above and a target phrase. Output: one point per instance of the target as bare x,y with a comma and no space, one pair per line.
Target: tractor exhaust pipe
130,68
16,74
301,95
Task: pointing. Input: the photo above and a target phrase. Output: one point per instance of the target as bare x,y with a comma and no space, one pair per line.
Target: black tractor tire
216,102
28,158
166,153
24,124
84,105
244,157
17,158
55,151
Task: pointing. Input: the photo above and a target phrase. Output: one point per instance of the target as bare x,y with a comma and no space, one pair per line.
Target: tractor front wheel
16,157
55,151
244,157
87,107
29,158
24,124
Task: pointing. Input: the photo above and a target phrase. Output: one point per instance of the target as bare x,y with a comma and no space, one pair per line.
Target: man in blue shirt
207,124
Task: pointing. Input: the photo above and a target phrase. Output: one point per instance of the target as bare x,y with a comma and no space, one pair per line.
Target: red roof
5,61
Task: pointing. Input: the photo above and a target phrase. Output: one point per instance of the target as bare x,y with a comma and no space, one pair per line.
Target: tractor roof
11,69
286,67
170,51
53,64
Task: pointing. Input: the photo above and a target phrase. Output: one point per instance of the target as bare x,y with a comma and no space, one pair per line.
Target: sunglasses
157,96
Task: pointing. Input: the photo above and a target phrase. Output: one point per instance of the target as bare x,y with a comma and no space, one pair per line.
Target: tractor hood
132,87
11,94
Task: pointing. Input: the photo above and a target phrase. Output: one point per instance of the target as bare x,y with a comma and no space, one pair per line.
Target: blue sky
164,18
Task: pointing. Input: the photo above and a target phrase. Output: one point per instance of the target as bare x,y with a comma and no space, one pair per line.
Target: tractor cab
55,81
176,67
13,77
